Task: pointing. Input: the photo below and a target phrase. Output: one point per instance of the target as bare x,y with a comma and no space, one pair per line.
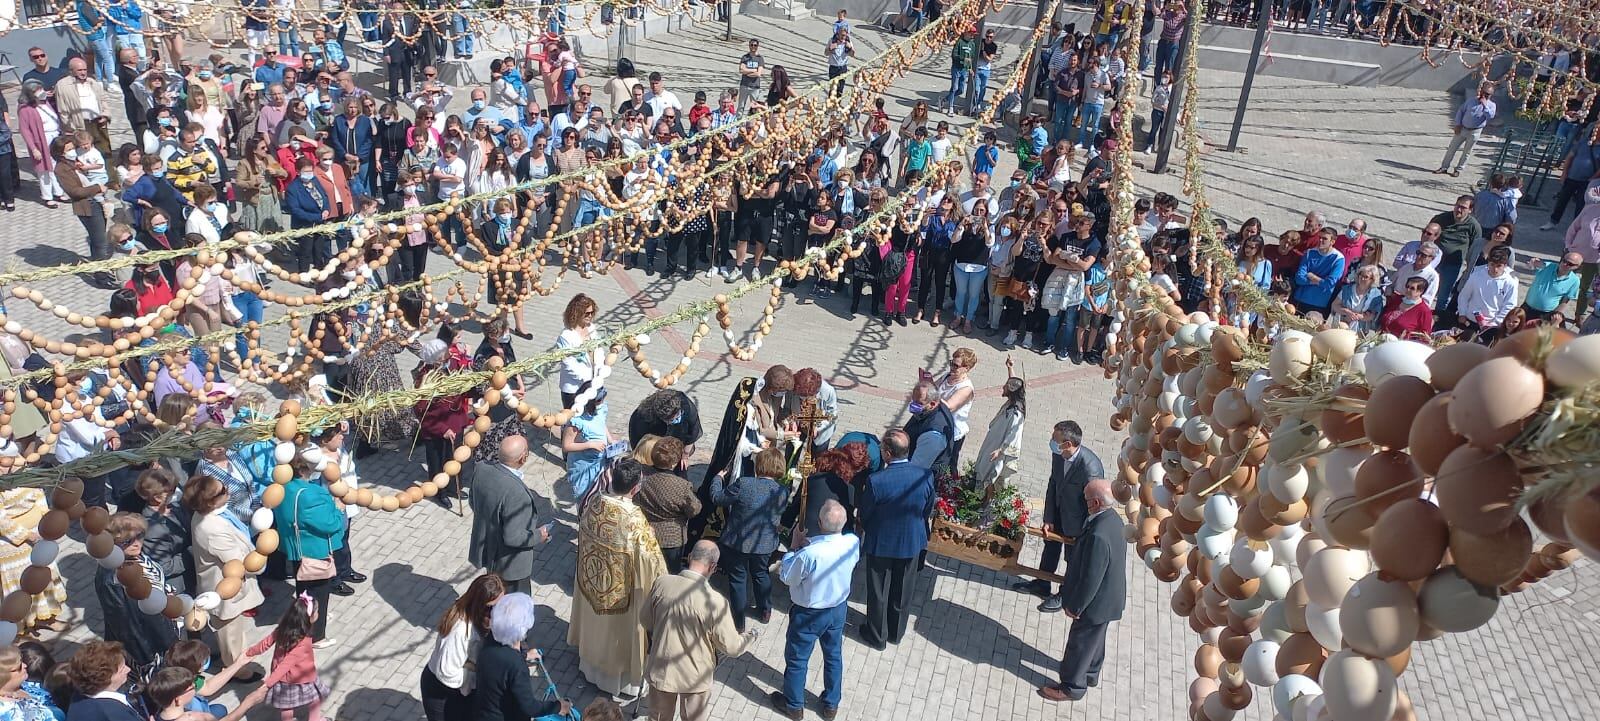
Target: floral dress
373,371
20,511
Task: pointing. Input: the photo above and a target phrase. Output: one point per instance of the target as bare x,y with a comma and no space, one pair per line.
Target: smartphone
258,87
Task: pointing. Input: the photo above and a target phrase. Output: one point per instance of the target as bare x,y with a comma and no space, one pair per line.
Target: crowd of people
290,140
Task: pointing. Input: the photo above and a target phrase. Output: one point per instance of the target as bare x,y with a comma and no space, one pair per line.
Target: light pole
1169,124
1262,23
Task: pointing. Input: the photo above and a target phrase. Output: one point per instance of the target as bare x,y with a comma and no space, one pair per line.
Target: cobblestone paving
977,650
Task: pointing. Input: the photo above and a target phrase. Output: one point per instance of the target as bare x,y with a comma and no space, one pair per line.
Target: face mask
165,122
1105,62
477,105
676,419
505,218
159,227
129,244
85,388
307,176
1016,182
781,397
1005,232
204,74
1352,233
1409,301
327,163
159,172
505,337
916,408
349,275
152,276
1055,447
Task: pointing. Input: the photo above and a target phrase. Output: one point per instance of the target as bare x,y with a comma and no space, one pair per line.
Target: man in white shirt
817,573
981,191
1422,266
432,95
1489,293
660,98
451,173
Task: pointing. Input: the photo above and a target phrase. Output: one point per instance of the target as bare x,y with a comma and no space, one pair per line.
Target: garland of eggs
1306,512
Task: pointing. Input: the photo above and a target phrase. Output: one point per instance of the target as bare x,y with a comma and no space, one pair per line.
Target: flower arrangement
960,501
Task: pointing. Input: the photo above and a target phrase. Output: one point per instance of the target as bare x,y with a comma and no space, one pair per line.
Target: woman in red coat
1407,316
442,420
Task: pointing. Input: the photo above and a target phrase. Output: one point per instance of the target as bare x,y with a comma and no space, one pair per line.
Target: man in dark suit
506,532
1093,595
1072,468
894,509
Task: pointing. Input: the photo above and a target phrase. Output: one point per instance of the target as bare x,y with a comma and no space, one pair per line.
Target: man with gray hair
894,507
931,427
1093,595
689,624
506,527
817,572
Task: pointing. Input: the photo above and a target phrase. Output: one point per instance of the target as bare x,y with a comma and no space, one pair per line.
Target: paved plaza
977,650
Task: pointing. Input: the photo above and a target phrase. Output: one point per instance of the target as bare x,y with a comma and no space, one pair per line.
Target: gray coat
506,516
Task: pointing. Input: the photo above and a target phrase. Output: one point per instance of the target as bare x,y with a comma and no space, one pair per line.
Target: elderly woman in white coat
1000,457
218,537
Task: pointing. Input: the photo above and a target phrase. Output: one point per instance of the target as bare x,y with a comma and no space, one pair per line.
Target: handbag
310,569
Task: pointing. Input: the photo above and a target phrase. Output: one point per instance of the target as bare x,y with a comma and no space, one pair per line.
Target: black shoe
1077,360
1050,604
522,334
1037,587
443,500
343,589
900,318
355,577
764,616
1094,681
861,635
782,705
827,712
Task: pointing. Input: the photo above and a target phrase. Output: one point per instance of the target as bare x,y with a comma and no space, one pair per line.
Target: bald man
509,521
1093,594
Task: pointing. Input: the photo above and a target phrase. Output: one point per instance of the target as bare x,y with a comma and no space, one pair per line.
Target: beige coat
689,624
216,541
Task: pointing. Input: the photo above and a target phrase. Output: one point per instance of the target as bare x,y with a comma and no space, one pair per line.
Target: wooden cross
808,418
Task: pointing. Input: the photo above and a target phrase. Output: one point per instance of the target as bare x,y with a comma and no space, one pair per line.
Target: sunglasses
1569,265
40,56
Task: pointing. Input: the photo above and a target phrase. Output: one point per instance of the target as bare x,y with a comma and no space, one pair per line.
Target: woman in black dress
394,137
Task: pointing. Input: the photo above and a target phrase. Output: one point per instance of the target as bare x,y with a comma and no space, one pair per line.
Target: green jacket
963,52
309,523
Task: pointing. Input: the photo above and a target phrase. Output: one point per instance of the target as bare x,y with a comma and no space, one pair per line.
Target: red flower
1016,503
1005,523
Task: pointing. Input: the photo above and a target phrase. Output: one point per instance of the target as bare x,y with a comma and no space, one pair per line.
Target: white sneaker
1548,226
1011,339
1027,340
325,643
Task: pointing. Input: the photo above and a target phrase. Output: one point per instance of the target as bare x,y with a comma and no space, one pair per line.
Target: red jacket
1406,322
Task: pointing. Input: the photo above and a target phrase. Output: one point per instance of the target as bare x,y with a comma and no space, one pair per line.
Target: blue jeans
251,307
463,39
453,231
1089,123
1114,37
1166,58
980,86
969,290
1145,59
807,626
1065,110
1065,321
1157,119
288,39
105,59
1449,271
569,78
958,85
369,25
137,43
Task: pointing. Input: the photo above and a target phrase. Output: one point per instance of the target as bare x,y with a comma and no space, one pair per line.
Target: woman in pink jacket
1583,238
40,124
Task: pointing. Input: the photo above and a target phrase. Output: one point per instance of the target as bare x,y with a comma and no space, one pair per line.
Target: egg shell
1448,364
1275,584
1379,617
1200,688
1344,522
1409,539
1260,662
1294,607
1582,520
1221,512
1392,408
1339,468
1342,422
1356,688
1478,489
1494,559
1274,623
1289,360
1290,689
1207,660
1287,483
1398,358
1231,409
1575,364
1300,654
1334,345
1293,440
1525,344
1431,439
1331,572
1494,400
1452,604
1548,514
1379,482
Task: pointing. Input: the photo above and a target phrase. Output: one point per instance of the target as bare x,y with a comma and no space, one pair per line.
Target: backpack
894,265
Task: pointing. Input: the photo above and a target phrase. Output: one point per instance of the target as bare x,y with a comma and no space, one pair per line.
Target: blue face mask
676,419
477,105
916,408
165,122
205,75
1055,447
1016,182
159,172
159,227
129,244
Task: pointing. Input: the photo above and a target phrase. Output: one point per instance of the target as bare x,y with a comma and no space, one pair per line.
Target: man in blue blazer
894,509
1092,595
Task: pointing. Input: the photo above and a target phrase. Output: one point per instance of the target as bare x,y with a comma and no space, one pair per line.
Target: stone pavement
977,650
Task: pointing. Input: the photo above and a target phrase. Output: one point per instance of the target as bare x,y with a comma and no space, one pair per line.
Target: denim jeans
463,38
1066,322
1152,136
288,39
1449,269
1166,58
1089,123
1145,59
1065,110
369,25
747,573
980,86
807,626
137,43
969,290
958,85
105,59
251,307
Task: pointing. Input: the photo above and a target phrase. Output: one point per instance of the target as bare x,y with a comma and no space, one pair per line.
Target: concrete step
1303,67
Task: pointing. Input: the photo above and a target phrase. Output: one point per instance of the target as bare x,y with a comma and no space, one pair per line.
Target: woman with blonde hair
583,366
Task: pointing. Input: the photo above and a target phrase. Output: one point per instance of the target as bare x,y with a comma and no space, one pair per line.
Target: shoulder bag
310,569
